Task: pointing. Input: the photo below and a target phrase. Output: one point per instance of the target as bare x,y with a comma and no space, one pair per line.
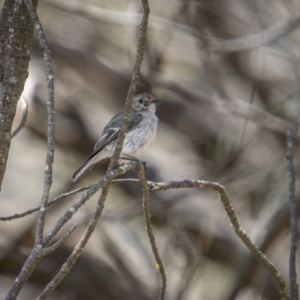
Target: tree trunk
15,44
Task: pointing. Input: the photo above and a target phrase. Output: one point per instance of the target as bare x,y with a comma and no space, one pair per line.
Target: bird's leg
132,158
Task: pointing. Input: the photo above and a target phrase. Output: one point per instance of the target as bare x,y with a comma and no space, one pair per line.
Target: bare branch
128,180
67,266
37,252
51,248
191,184
290,136
24,116
56,199
102,183
65,195
147,217
23,276
234,222
50,123
65,269
231,214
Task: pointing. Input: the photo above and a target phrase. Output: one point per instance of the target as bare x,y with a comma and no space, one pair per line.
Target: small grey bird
141,133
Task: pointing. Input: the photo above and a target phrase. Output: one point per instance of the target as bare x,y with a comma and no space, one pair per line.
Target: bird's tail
85,166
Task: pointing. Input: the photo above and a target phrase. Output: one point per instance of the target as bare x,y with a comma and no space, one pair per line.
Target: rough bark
15,43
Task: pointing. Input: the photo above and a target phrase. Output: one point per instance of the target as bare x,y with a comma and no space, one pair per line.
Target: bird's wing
112,129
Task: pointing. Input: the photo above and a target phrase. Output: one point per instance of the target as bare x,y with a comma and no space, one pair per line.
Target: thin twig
51,248
67,266
234,222
50,123
133,84
23,118
147,217
36,254
56,199
65,195
87,195
129,180
290,136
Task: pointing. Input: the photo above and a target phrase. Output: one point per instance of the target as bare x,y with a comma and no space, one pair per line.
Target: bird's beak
154,100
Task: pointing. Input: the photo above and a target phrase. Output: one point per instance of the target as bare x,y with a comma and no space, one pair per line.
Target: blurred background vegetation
227,73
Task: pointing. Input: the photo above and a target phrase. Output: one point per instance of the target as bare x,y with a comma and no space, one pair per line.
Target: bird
141,133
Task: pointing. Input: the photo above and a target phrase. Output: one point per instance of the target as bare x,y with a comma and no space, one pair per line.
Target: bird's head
144,102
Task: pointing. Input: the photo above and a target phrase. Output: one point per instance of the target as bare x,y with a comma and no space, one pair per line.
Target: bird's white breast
140,138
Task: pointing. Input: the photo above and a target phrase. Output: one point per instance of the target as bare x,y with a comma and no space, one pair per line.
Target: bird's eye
141,101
